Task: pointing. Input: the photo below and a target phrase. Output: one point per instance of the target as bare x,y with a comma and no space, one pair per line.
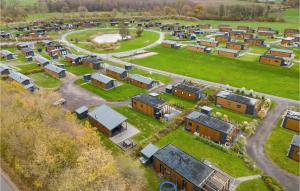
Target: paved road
255,145
255,148
6,183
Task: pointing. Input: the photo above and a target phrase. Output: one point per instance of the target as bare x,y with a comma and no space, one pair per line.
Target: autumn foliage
49,150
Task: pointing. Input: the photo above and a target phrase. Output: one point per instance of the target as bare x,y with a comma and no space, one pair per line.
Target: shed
142,81
6,54
41,60
4,70
55,71
87,77
147,153
82,112
102,81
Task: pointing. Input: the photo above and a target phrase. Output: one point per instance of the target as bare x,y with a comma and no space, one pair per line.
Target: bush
271,183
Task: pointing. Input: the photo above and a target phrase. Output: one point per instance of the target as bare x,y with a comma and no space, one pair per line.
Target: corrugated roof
108,117
201,40
293,114
188,87
17,76
141,78
193,170
41,59
281,50
149,150
101,78
3,67
154,101
115,69
210,121
196,46
27,50
54,68
72,56
228,50
296,140
169,42
5,52
237,98
81,109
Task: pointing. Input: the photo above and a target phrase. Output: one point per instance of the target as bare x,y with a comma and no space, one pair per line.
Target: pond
108,38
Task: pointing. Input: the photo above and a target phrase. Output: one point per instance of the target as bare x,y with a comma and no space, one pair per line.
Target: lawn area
121,93
253,185
235,116
227,161
147,38
173,100
27,67
258,49
79,70
44,80
238,73
277,152
161,78
146,124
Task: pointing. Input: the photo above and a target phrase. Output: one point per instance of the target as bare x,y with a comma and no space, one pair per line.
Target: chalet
281,52
170,44
187,172
142,81
291,120
225,29
209,43
238,103
108,121
37,32
102,81
148,104
23,80
5,35
167,27
244,36
52,46
291,32
41,61
205,26
264,28
92,62
58,52
294,150
222,38
297,38
198,48
235,46
273,60
210,127
234,33
116,72
246,28
74,59
27,52
6,54
82,112
288,41
267,33
147,153
113,23
20,46
188,91
4,70
55,71
254,42
231,53
22,28
47,42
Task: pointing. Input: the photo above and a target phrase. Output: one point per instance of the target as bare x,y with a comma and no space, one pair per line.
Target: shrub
271,183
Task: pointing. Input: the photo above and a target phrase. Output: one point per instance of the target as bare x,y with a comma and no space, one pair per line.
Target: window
189,124
238,106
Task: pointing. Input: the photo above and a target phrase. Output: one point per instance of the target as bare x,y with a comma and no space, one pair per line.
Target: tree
179,5
157,10
221,10
82,11
123,31
187,9
139,31
198,10
169,10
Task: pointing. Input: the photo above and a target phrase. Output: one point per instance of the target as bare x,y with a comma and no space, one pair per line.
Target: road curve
6,183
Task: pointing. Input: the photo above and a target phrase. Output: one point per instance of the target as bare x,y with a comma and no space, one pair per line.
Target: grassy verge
235,72
28,67
79,70
44,80
277,152
227,161
121,93
253,185
173,100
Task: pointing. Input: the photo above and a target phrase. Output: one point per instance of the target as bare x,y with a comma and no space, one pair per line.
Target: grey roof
169,42
27,50
41,59
149,150
5,52
293,114
193,170
153,101
272,56
115,69
93,59
72,56
210,121
213,41
264,31
108,117
296,140
196,46
3,67
141,78
188,87
17,76
281,50
81,109
228,50
237,98
54,68
101,78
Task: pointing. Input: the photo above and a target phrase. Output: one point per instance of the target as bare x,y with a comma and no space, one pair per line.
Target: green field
227,161
146,124
147,38
120,93
28,67
277,152
79,70
253,185
44,80
252,75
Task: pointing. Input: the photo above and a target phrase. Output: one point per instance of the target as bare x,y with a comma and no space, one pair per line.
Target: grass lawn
252,75
121,93
161,78
258,49
146,124
79,70
44,80
235,116
147,38
250,58
173,100
28,67
276,148
227,161
253,185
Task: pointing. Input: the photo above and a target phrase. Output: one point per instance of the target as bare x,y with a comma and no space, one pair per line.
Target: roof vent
206,110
